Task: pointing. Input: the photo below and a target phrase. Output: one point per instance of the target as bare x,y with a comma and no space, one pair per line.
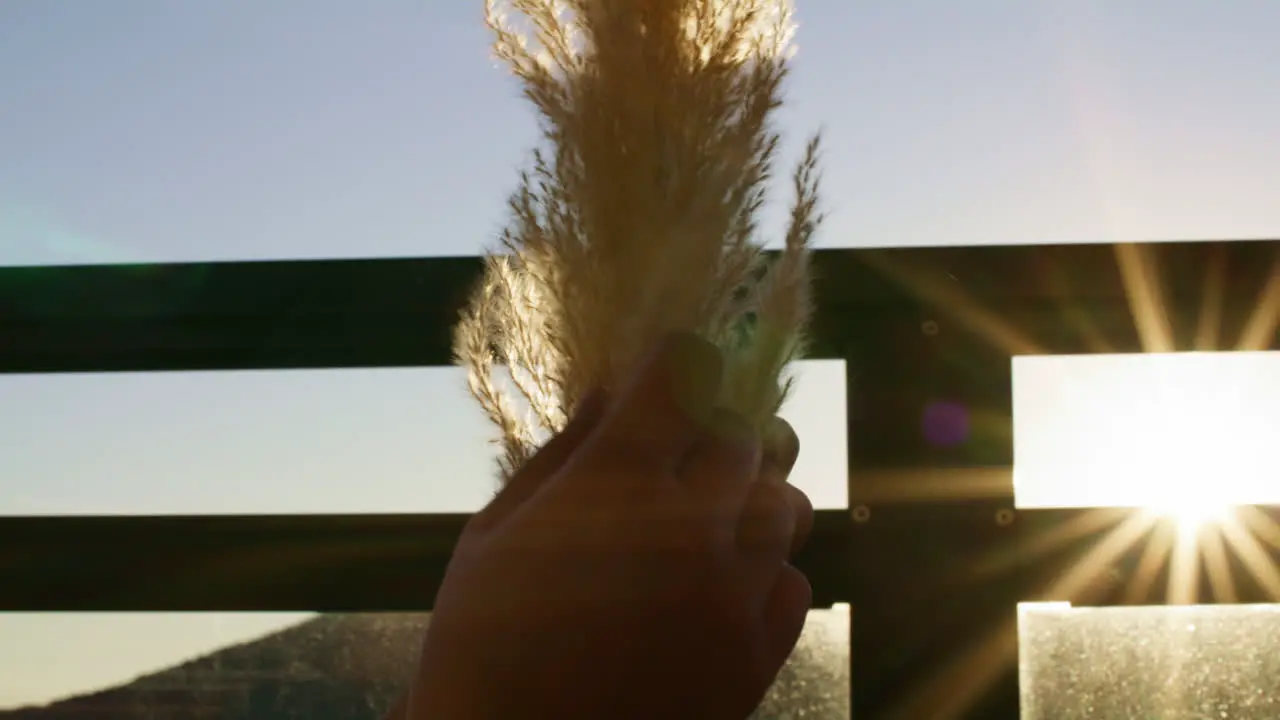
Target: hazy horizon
148,131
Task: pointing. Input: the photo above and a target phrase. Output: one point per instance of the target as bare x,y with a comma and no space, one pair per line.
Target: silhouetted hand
634,568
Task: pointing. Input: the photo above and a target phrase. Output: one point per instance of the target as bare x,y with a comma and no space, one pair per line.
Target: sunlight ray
1075,317
1216,565
1259,331
1080,578
1260,525
1139,272
1089,522
1184,571
1257,561
931,484
950,299
1154,556
1209,324
952,691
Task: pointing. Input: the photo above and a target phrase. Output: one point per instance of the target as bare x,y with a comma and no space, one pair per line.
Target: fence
931,555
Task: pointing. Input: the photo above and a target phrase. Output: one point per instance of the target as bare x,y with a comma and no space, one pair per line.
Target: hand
634,568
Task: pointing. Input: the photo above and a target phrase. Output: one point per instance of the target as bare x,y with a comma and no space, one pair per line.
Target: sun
1192,516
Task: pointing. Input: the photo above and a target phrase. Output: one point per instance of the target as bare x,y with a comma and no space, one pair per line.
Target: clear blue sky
150,130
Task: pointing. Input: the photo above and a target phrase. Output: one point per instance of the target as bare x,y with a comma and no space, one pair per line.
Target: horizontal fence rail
326,563
398,312
931,554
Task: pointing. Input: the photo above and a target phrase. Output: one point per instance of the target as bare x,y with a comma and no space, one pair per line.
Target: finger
784,617
802,512
782,445
766,528
547,460
656,418
782,449
723,465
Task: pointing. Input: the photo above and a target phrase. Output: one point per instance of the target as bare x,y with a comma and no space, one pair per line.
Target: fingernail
782,443
696,367
731,427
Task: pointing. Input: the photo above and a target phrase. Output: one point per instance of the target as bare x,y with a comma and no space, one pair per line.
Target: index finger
656,419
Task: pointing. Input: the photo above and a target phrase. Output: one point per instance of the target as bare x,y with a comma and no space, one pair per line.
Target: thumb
782,621
545,462
784,616
659,414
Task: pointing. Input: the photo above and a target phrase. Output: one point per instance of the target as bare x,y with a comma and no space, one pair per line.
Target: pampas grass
638,214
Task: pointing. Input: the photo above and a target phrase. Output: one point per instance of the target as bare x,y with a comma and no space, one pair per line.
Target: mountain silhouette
354,667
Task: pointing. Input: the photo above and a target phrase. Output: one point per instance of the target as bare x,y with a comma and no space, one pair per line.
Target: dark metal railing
931,555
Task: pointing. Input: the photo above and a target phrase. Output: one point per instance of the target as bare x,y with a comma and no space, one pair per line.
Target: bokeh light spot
945,424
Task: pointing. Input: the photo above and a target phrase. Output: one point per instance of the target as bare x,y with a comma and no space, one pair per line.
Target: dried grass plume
638,214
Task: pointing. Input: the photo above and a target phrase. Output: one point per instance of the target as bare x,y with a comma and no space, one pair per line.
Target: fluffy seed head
638,213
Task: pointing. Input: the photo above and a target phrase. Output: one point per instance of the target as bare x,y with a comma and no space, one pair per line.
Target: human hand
634,568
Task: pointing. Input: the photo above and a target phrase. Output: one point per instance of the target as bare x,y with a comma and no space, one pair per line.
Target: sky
150,130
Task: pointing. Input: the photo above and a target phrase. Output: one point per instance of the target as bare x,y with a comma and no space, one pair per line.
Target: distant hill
338,667
353,667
